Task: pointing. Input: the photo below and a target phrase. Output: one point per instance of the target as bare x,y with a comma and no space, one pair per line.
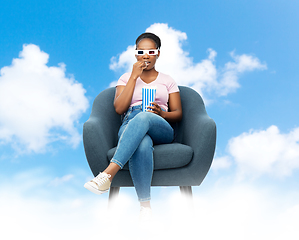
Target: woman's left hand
155,109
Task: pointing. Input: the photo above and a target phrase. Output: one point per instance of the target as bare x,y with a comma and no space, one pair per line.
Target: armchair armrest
201,136
100,130
98,137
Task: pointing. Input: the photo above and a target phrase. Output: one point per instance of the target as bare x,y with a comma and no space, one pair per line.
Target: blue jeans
137,135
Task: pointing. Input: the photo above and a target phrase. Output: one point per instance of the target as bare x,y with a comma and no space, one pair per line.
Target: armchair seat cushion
166,156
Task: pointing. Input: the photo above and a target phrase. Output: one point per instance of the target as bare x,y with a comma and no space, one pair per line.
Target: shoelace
101,178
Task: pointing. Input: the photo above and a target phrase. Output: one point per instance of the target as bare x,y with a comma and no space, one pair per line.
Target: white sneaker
145,215
100,184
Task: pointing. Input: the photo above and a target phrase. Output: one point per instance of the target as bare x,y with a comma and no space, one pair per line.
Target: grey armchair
184,163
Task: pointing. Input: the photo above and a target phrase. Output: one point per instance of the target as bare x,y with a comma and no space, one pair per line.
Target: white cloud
124,61
60,180
230,74
265,152
202,76
225,210
221,163
38,104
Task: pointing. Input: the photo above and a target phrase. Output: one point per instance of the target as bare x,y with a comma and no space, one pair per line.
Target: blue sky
241,56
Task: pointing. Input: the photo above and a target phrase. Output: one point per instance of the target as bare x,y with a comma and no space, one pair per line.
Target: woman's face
147,44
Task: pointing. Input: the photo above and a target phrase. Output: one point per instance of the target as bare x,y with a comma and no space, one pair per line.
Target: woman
141,130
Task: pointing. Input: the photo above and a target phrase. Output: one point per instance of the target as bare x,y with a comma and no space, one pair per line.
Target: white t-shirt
164,84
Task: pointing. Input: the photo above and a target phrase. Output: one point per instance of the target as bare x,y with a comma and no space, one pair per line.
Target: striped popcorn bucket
148,96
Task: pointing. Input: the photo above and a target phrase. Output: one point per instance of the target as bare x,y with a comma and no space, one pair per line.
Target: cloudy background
241,56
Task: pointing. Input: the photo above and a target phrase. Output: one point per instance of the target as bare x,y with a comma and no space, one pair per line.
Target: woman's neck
149,75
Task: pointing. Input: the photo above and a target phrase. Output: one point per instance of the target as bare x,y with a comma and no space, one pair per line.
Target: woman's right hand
123,94
138,68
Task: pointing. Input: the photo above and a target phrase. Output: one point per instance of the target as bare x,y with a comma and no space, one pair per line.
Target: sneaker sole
94,190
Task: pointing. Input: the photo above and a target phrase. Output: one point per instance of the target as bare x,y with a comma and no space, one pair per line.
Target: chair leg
113,193
186,191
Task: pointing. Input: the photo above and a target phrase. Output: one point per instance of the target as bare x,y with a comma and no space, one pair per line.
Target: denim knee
145,144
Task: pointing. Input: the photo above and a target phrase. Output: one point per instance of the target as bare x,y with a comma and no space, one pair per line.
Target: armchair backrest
192,105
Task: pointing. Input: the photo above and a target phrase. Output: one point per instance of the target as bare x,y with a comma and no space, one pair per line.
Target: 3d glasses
148,52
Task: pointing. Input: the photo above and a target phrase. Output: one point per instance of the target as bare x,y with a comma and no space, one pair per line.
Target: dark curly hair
151,36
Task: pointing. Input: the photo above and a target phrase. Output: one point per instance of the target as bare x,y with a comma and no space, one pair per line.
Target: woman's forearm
123,96
174,116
